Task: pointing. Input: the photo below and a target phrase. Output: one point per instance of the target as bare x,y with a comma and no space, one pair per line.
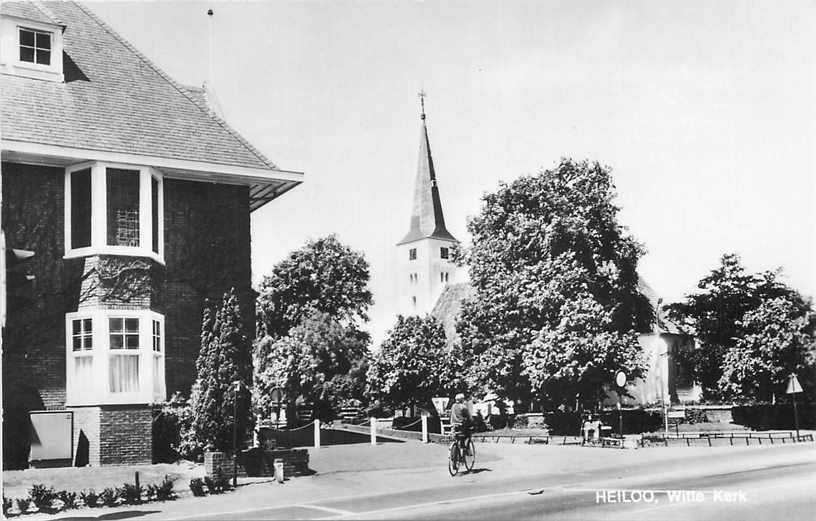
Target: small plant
110,497
69,499
164,492
90,498
211,486
41,496
24,504
222,481
131,494
197,487
8,504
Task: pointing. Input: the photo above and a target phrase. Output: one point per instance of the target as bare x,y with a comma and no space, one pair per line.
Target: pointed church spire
427,219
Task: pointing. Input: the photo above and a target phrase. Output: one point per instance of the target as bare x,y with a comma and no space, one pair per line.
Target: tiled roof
666,325
427,219
449,306
34,11
115,100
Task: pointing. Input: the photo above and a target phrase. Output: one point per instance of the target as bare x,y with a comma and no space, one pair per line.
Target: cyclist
460,419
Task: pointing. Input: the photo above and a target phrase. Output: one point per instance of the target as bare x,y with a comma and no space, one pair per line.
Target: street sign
620,379
793,385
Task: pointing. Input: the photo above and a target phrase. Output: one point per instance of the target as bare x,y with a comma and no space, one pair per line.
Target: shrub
90,498
211,488
197,487
172,434
497,421
110,497
69,499
41,496
164,492
221,481
24,504
7,505
131,494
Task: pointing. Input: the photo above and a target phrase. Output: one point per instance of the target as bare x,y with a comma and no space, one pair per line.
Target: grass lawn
16,483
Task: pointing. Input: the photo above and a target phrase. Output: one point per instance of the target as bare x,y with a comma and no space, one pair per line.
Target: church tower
424,254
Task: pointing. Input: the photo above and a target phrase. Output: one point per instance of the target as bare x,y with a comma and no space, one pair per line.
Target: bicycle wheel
470,455
453,459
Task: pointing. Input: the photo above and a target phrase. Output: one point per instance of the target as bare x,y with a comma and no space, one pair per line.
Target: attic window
412,254
35,46
444,253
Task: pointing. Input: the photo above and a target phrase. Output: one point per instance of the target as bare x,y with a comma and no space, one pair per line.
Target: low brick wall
259,462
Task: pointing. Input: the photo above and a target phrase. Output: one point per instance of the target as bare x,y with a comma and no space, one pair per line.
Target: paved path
411,481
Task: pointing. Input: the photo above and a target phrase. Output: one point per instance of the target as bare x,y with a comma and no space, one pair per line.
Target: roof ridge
238,137
47,12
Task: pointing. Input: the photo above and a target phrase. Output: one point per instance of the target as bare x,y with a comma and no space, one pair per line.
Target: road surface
776,483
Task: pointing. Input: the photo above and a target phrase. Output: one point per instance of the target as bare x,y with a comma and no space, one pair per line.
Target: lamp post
620,379
237,384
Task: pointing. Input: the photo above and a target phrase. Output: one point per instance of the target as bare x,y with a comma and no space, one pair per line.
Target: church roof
427,220
449,306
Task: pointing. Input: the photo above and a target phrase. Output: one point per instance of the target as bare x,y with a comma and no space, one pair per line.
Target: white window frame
98,393
10,48
99,216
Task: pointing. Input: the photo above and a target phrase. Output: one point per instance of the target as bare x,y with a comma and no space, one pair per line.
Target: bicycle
461,452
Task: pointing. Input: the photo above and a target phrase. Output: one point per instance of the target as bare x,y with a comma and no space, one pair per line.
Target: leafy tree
716,314
777,341
224,358
581,354
540,243
324,276
412,365
320,360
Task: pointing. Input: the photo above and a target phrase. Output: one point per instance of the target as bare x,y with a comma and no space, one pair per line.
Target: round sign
620,379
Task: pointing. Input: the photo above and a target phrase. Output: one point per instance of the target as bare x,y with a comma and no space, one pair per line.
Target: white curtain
157,376
83,375
124,373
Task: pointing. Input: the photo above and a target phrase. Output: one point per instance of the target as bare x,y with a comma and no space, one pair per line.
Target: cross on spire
422,96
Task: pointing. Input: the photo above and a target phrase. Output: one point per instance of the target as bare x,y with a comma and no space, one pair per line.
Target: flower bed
42,498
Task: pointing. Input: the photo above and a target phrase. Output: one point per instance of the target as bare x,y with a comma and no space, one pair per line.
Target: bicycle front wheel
453,459
470,455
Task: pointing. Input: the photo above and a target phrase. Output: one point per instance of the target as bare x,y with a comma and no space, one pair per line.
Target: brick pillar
86,423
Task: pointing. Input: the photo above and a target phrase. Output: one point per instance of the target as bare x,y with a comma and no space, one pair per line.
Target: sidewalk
357,471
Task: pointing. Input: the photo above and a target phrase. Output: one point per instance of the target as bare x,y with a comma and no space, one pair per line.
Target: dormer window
31,47
35,46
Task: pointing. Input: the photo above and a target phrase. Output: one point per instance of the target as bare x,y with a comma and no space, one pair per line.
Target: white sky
705,111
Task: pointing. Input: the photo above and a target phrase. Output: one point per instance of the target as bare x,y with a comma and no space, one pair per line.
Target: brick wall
34,337
86,423
207,251
125,434
259,463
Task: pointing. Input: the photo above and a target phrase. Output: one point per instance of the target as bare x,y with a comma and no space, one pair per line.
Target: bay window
114,209
114,357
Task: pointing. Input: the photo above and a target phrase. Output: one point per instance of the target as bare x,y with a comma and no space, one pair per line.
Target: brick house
135,199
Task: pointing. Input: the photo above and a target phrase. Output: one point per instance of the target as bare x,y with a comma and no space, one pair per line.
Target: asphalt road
773,484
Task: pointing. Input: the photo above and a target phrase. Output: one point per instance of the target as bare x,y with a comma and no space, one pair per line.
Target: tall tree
716,315
324,276
225,358
318,360
778,340
540,243
412,365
